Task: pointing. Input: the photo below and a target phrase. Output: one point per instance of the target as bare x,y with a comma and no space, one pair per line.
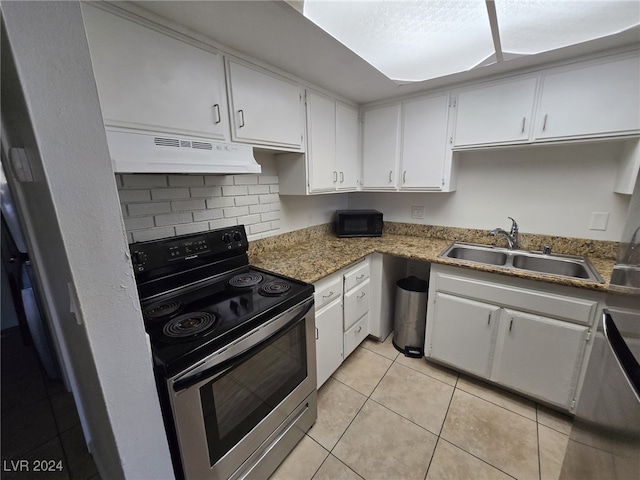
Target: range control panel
195,248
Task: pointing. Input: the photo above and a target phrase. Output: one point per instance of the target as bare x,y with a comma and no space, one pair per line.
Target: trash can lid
413,284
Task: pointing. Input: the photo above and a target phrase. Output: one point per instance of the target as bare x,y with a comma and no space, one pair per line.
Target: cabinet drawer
327,290
356,276
356,304
356,334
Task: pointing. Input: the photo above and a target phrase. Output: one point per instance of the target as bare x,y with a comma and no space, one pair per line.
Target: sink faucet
631,251
511,237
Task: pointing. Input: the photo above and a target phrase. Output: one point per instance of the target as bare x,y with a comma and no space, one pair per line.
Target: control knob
226,238
138,259
236,236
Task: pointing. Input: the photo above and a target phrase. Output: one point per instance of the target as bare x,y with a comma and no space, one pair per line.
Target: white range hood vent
133,152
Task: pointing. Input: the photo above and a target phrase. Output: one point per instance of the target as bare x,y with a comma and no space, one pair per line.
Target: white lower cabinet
464,333
328,340
342,321
531,337
539,356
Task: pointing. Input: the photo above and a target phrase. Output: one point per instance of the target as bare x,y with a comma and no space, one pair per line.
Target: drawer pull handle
360,277
328,296
510,324
361,296
359,329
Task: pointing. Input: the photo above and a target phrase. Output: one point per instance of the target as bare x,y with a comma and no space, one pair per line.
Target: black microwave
358,223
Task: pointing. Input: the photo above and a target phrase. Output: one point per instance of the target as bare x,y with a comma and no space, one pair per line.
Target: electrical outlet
417,212
599,221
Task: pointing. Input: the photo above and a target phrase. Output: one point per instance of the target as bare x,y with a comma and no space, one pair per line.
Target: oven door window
236,401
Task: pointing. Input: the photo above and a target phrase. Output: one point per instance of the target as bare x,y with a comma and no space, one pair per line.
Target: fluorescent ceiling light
412,41
535,26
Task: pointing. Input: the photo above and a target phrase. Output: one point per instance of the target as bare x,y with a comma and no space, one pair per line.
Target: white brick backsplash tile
130,237
270,198
260,208
258,189
185,180
219,202
275,207
275,225
169,193
207,215
153,234
136,223
274,188
248,200
127,196
259,228
236,211
267,179
149,208
143,181
192,228
245,179
185,205
250,219
218,180
173,218
205,192
268,217
226,222
234,191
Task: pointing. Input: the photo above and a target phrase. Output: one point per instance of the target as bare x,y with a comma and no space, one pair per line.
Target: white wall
76,238
548,189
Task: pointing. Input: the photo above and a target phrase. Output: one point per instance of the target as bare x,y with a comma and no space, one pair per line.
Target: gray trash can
410,316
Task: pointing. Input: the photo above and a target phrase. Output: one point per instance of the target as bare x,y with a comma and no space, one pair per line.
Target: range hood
133,152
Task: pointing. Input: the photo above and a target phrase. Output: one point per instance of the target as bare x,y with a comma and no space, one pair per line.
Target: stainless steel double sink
550,264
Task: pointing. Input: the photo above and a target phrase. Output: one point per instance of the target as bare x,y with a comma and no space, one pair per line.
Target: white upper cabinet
594,100
424,143
494,114
347,146
381,147
332,144
265,109
321,142
405,145
154,82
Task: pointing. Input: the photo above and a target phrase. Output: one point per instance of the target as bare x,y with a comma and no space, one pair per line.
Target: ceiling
274,32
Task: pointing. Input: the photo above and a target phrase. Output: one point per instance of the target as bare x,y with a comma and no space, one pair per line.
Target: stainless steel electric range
234,353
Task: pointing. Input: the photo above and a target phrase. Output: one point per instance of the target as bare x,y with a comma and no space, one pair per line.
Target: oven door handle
285,322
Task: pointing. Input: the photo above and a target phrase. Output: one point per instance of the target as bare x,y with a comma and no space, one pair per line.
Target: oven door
243,408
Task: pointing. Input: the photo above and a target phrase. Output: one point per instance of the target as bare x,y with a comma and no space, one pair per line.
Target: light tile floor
385,416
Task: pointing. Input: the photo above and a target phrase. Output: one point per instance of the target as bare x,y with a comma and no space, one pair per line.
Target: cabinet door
540,356
265,110
462,333
500,113
347,146
593,100
381,147
150,81
424,142
329,338
321,142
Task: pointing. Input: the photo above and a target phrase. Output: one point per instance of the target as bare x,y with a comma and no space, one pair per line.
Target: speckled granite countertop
314,253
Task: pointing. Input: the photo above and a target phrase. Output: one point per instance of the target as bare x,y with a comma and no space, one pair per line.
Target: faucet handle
514,226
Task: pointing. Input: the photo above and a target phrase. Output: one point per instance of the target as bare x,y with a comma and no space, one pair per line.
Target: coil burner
245,280
162,310
275,288
189,325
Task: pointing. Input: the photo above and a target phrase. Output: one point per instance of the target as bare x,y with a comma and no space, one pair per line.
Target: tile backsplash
158,206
